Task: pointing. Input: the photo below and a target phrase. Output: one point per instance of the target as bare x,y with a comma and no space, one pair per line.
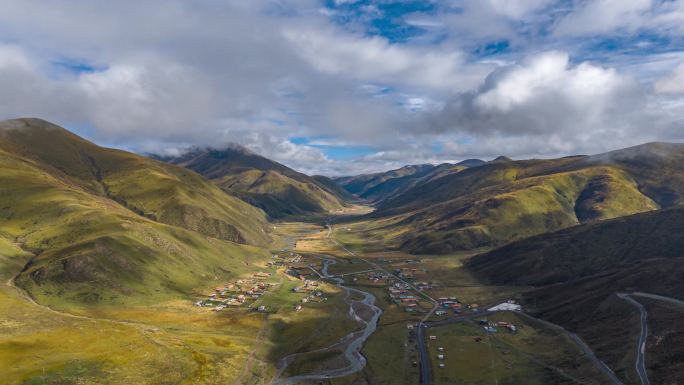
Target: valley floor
174,342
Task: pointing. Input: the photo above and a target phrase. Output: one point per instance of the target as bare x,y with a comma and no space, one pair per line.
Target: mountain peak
501,159
471,162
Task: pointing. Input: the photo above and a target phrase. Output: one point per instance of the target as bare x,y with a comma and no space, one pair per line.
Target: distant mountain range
378,187
442,209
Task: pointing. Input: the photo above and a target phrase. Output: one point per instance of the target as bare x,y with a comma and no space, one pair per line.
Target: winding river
351,343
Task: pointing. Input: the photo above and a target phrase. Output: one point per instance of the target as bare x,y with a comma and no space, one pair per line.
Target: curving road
678,303
641,345
580,344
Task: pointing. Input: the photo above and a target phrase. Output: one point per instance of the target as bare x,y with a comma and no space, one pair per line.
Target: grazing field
529,356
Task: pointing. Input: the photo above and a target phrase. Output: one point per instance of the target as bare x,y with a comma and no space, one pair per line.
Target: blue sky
349,86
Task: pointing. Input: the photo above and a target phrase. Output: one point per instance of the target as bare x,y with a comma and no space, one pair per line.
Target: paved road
657,297
424,357
582,345
641,345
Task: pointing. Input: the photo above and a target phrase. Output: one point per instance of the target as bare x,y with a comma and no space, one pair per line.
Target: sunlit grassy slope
501,201
277,189
106,226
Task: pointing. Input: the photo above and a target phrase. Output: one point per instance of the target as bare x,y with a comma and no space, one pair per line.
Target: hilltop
271,186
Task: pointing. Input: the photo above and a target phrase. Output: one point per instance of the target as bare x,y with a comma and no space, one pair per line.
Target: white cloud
516,9
258,72
596,17
374,58
548,105
673,83
601,16
152,95
549,76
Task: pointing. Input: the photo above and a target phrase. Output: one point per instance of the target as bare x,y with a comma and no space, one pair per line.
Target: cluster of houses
409,272
378,276
493,327
312,289
308,286
239,293
448,303
400,294
282,260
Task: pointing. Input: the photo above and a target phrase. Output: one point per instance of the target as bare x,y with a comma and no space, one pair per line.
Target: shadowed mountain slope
580,270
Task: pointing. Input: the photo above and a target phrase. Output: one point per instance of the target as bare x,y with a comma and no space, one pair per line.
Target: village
405,284
242,292
246,292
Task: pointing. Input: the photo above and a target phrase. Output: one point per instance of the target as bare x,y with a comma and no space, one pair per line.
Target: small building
261,308
442,366
432,337
440,356
298,307
440,348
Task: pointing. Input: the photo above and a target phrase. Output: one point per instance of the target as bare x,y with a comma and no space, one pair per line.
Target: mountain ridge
277,189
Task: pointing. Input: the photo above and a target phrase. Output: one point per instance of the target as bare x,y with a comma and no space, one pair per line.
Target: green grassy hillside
506,200
497,205
271,186
153,189
106,226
